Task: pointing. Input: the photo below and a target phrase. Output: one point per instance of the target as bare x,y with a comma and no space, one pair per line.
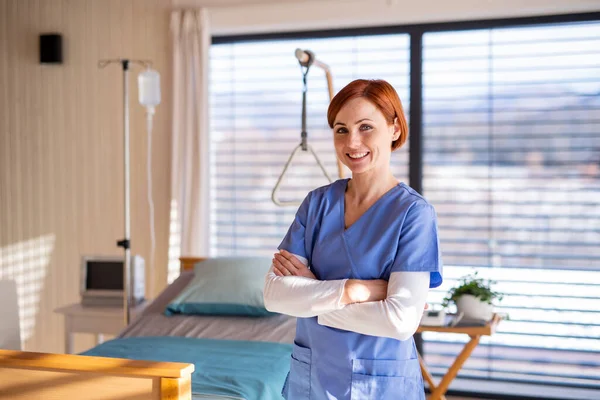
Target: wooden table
475,332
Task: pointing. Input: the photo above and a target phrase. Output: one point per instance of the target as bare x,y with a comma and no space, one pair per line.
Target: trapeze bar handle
275,192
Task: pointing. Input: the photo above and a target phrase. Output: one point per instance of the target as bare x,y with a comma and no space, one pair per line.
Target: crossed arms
368,307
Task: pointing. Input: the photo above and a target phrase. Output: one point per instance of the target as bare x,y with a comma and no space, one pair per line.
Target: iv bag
149,88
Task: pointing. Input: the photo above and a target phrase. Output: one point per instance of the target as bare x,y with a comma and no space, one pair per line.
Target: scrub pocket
297,383
387,380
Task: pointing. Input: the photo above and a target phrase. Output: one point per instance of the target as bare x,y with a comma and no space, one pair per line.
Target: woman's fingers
286,263
280,272
293,259
276,270
282,269
299,268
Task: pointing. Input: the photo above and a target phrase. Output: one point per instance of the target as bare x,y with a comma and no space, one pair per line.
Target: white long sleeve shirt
398,316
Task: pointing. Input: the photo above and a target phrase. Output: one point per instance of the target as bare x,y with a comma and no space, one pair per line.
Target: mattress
153,322
224,369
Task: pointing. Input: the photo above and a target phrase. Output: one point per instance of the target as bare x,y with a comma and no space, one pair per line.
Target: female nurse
357,262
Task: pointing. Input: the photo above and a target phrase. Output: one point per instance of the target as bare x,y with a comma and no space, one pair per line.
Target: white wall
61,168
281,16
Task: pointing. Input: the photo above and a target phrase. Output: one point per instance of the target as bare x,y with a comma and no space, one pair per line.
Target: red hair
382,95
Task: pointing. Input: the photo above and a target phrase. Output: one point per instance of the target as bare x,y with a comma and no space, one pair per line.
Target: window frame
416,32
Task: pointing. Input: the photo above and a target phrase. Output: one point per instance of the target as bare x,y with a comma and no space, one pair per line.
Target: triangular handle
285,168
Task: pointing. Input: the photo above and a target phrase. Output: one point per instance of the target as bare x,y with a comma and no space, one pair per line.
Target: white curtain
190,152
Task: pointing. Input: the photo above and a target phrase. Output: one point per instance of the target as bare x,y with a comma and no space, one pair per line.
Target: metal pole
126,271
304,134
126,242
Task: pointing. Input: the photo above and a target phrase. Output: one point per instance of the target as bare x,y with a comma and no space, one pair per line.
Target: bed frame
29,375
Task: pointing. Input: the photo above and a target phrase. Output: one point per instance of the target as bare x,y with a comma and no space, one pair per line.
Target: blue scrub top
397,233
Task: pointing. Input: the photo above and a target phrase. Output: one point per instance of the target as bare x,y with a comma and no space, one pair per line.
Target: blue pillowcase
231,286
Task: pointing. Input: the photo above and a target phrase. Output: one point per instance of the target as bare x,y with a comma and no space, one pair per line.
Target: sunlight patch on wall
27,262
174,244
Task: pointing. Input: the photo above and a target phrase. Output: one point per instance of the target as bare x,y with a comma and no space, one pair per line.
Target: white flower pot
472,307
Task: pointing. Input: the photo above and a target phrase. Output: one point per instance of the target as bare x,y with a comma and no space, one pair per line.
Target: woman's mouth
357,156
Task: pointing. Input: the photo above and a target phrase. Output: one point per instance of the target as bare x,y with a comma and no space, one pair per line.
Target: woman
357,263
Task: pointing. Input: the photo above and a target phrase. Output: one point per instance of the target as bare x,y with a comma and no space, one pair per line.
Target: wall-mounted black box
51,49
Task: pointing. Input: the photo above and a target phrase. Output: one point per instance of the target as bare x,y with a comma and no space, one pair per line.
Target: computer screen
104,275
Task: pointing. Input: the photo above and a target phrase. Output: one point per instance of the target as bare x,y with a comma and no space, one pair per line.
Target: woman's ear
396,134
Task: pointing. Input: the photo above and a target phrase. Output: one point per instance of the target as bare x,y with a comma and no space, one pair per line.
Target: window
512,163
256,102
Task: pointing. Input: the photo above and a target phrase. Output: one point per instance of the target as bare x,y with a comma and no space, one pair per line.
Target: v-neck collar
342,201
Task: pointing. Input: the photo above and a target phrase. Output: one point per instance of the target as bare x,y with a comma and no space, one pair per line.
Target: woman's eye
341,130
365,127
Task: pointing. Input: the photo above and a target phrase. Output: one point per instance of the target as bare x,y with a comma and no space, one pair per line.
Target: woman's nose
353,139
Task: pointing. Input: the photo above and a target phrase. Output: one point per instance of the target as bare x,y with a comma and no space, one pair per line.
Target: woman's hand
286,264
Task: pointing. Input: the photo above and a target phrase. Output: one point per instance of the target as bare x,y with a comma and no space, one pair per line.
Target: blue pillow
225,286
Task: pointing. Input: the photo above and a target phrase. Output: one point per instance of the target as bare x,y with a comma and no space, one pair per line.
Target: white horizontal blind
255,110
512,164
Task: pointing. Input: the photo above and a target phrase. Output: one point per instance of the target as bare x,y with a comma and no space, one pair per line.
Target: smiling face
362,136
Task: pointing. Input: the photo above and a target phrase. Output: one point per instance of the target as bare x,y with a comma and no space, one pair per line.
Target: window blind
512,163
256,99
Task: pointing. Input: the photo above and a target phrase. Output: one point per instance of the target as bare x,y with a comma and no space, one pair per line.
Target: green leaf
475,286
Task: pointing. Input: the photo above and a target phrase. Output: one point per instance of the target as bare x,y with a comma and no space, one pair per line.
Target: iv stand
125,243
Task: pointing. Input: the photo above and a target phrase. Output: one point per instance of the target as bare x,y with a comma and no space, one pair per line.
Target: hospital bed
163,357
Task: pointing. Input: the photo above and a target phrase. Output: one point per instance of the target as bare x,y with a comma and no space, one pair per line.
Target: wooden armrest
106,366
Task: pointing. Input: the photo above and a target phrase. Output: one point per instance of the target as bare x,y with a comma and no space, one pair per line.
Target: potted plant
473,297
